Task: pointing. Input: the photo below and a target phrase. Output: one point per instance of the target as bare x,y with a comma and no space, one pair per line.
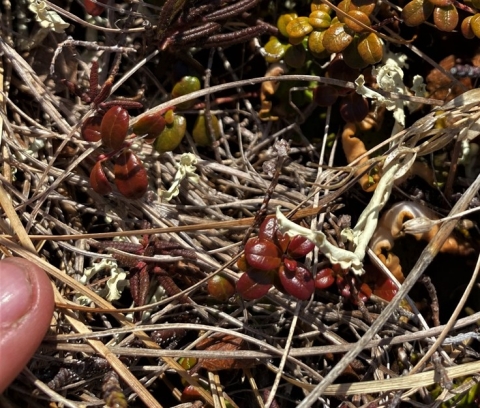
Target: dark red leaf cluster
352,288
130,175
348,286
112,129
271,259
110,125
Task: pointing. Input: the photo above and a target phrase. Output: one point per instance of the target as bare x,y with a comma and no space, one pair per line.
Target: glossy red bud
268,229
99,181
262,254
220,288
299,246
114,127
130,175
290,264
151,125
298,282
91,129
324,278
249,289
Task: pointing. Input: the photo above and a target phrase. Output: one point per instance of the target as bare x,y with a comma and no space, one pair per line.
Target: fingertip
26,307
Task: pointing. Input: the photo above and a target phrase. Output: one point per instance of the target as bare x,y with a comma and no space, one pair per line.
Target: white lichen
185,169
335,255
389,78
48,19
115,284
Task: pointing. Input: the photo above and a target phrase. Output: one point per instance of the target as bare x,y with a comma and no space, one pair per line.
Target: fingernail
15,293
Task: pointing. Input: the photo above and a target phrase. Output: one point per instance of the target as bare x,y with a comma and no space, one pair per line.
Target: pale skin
26,308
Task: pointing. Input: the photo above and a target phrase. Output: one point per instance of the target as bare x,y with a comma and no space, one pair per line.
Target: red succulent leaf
91,129
324,278
385,288
262,254
298,283
220,288
299,246
130,175
290,264
94,9
223,342
382,286
250,289
114,127
268,229
99,181
151,125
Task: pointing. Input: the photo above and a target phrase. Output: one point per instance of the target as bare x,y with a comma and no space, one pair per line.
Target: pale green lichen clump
185,169
47,19
114,285
389,78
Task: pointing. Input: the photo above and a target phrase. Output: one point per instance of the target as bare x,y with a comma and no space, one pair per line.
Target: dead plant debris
235,109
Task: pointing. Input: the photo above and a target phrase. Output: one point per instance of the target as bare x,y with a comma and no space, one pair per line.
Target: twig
70,42
427,282
282,150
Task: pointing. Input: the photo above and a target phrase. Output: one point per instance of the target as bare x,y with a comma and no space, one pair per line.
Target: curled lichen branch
390,79
363,231
185,170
